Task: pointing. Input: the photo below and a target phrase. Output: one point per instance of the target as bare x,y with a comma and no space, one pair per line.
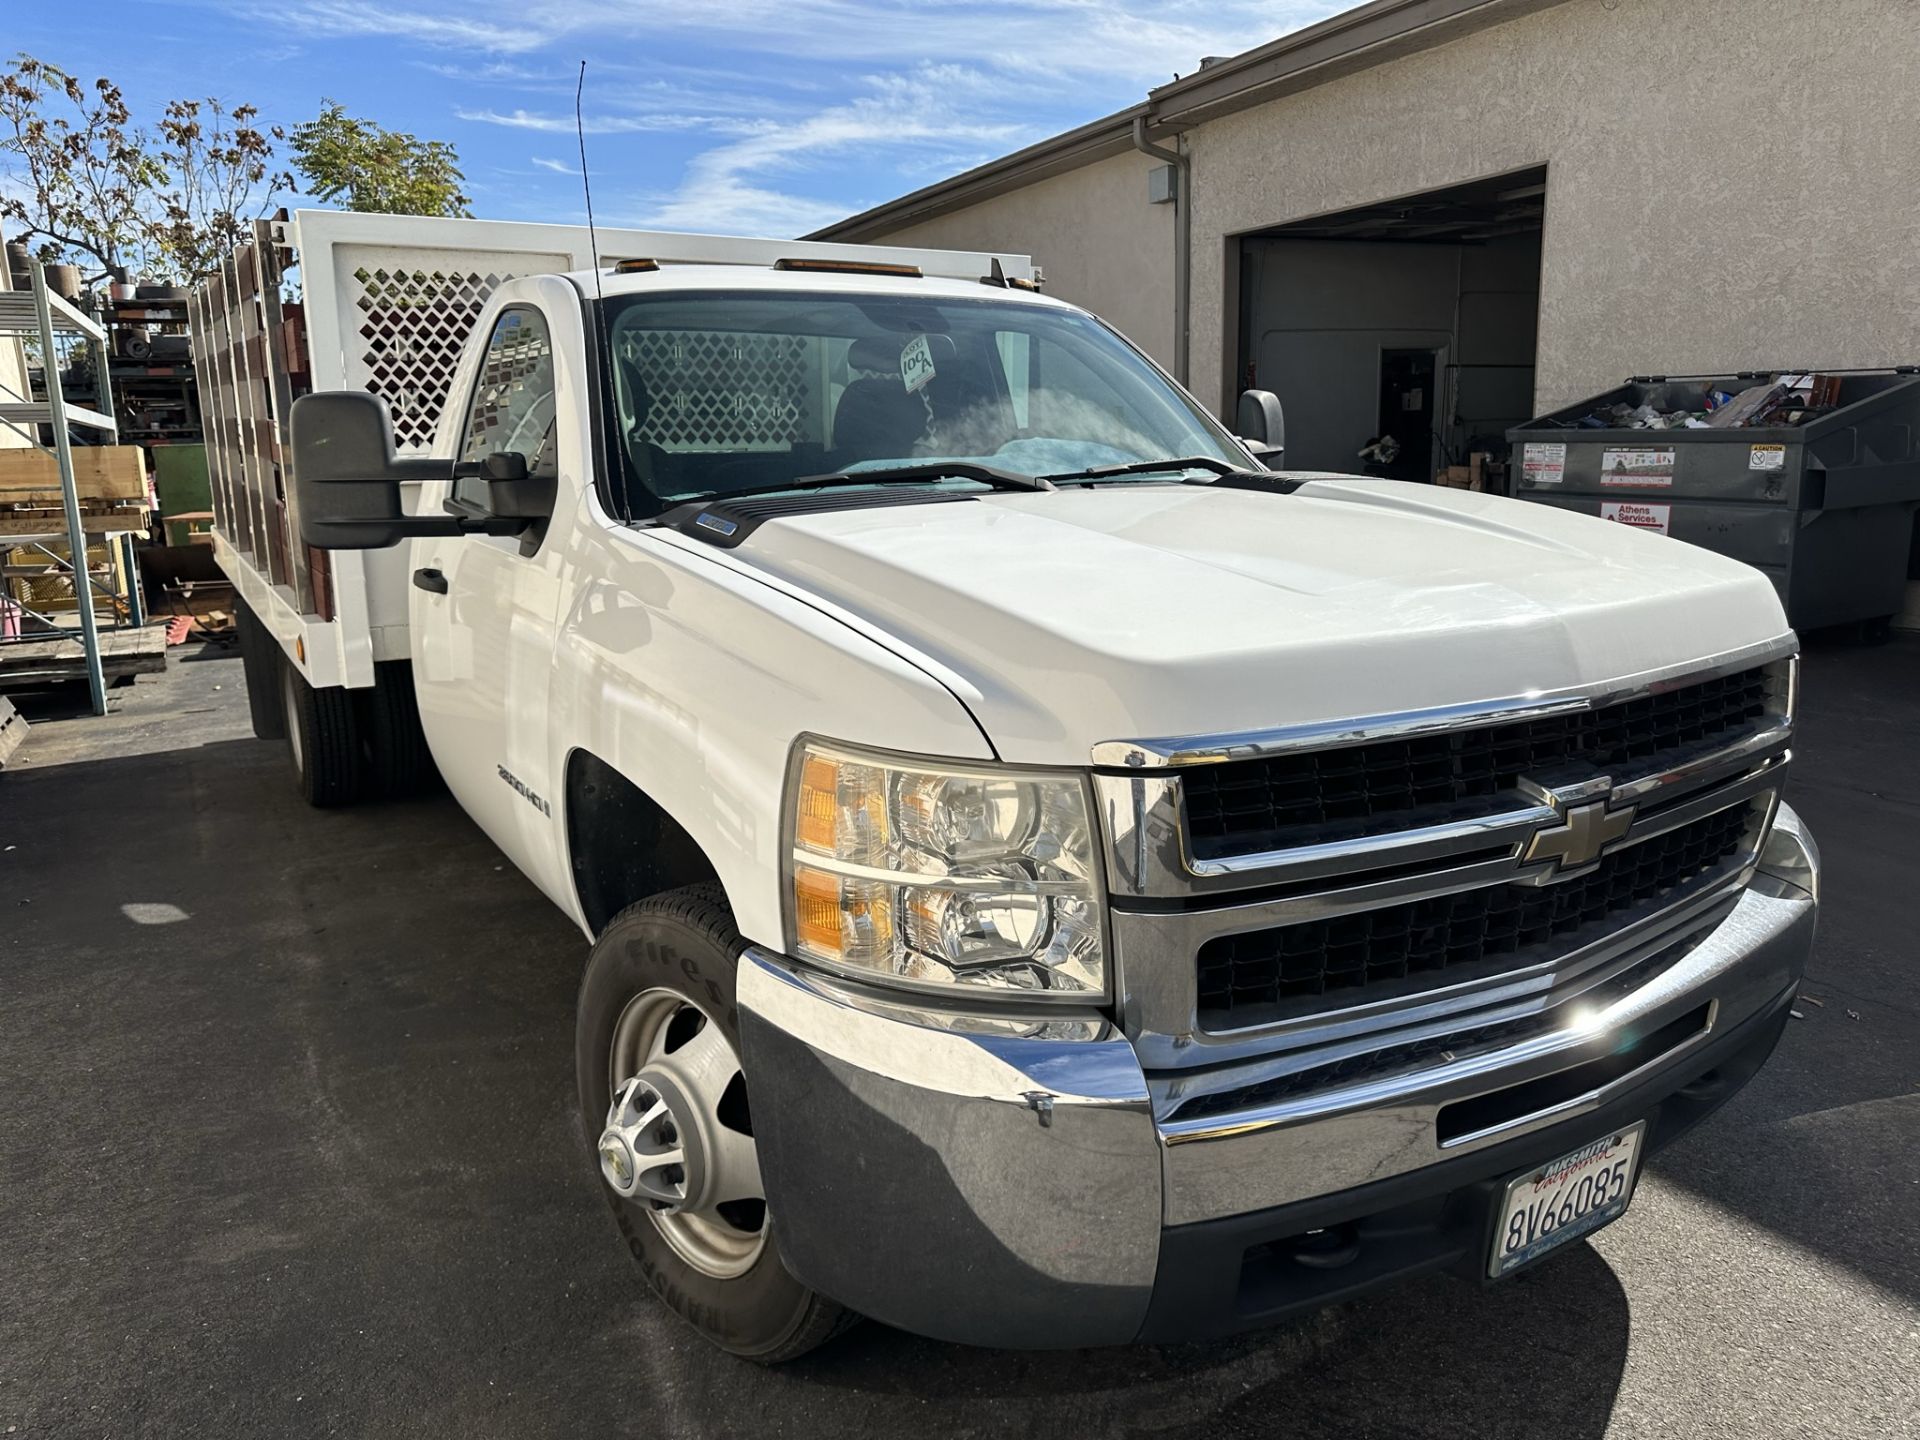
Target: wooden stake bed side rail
249,349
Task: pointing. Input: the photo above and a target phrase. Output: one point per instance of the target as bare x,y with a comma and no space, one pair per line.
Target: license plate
1565,1199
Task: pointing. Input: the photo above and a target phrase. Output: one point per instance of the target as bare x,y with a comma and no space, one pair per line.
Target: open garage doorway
1405,329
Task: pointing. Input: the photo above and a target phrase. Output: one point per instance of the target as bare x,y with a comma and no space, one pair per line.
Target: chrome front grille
1241,807
1347,887
1294,970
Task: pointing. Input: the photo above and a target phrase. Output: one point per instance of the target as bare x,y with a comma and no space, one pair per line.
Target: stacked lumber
111,481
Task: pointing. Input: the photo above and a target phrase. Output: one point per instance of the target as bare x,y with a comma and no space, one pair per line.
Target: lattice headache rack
713,390
413,325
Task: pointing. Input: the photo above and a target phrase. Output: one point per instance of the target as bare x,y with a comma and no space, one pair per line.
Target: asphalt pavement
288,1147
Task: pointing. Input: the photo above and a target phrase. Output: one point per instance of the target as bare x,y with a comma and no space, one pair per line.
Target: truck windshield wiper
892,475
1146,467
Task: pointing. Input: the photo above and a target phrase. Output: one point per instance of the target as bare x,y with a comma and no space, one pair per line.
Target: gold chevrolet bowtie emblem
1586,831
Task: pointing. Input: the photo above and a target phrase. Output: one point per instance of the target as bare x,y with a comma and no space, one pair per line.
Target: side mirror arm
1261,425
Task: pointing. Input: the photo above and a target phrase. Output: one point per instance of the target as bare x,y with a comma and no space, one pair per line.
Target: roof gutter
1357,39
1182,240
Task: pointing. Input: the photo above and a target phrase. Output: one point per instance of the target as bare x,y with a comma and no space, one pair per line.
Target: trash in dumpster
1787,399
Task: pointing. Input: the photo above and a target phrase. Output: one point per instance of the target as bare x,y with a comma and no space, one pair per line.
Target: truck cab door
482,609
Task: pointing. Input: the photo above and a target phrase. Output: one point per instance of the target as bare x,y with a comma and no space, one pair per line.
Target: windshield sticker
916,363
1543,464
1644,469
1639,515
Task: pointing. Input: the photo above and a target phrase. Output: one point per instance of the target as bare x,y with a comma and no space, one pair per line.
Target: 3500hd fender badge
525,794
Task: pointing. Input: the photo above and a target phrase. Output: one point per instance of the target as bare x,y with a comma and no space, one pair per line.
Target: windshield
718,393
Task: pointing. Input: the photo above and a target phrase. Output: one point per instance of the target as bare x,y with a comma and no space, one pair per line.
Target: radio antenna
623,500
580,131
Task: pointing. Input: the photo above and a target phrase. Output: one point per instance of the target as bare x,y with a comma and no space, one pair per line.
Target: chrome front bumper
950,1175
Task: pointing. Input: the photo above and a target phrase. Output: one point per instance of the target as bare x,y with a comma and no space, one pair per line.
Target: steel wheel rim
690,1080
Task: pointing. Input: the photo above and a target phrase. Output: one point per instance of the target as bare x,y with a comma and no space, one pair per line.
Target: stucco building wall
1092,232
1728,185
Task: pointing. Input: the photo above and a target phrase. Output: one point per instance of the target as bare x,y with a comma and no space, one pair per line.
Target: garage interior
1414,319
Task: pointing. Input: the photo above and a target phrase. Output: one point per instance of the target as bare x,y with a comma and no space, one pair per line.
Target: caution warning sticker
1638,514
1645,469
1767,457
1543,464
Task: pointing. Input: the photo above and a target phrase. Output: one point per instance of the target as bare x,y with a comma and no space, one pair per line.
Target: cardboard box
100,472
1464,477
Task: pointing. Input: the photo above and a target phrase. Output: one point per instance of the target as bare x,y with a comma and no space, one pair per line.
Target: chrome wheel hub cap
677,1138
650,1149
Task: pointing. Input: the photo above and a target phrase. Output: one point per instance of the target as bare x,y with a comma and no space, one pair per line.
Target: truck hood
1150,611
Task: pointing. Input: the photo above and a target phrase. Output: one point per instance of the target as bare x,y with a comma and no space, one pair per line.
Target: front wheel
664,1101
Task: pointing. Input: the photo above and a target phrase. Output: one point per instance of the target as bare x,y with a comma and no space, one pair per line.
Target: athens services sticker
1649,469
1767,457
1638,515
1543,464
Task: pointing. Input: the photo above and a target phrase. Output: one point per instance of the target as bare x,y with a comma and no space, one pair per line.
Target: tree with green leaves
346,159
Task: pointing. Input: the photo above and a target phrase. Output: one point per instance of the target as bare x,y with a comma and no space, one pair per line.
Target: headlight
934,876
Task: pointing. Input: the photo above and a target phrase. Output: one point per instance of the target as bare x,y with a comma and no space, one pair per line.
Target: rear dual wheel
322,740
348,745
664,1100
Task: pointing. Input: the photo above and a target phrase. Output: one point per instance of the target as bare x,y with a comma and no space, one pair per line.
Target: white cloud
592,124
728,187
461,27
558,167
1115,39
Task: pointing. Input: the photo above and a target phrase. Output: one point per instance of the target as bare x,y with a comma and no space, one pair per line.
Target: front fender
692,679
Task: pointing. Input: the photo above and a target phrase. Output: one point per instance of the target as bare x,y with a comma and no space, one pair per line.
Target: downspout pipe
1182,240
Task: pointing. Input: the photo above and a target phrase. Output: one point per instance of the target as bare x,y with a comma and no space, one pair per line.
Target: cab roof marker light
850,267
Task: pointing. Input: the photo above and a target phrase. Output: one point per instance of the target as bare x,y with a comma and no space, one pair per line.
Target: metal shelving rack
47,318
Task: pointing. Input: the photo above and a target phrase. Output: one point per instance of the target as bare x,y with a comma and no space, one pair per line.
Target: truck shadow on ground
1541,1354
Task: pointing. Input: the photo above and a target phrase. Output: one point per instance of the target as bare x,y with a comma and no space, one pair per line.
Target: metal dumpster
1825,506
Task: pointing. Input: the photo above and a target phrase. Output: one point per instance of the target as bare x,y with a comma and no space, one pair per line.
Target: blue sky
745,116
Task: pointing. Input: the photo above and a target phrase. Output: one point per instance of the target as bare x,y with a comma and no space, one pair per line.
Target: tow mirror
1261,424
347,478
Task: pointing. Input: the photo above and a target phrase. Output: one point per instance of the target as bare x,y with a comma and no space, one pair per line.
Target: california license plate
1566,1198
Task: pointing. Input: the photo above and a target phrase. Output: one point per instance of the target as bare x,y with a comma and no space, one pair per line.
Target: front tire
664,1103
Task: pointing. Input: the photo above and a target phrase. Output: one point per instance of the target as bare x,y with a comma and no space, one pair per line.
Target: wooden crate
100,472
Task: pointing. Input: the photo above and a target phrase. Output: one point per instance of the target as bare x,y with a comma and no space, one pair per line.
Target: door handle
430,579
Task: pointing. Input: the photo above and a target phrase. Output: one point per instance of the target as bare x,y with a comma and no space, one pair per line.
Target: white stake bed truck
1052,879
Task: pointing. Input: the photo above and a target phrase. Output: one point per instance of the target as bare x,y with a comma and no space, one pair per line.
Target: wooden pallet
49,660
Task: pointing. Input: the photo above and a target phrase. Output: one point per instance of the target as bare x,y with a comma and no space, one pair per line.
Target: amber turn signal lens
819,804
816,910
